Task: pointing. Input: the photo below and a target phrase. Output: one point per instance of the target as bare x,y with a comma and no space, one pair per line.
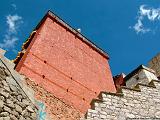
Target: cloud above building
10,38
146,13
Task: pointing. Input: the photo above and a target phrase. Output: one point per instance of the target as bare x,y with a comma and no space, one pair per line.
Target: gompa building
61,75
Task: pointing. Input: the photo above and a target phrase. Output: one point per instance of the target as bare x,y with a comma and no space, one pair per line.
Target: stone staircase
141,102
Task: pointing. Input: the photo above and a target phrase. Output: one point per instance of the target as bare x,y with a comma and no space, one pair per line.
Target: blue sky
128,30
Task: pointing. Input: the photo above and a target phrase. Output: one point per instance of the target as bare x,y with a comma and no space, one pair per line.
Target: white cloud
10,38
14,6
9,42
13,22
151,14
138,27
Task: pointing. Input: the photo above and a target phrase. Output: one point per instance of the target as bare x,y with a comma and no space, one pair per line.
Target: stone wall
139,103
14,103
154,64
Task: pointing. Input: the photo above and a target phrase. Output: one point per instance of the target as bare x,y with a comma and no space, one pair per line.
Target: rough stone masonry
154,64
141,102
14,103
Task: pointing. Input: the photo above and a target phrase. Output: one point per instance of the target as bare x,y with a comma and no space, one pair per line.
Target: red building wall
119,80
65,65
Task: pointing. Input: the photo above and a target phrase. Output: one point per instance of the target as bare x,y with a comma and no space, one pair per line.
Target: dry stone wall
142,102
154,64
14,103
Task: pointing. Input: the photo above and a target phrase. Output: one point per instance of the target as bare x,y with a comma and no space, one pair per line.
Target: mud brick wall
55,108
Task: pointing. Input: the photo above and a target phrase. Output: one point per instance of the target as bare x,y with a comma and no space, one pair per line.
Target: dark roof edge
74,31
136,70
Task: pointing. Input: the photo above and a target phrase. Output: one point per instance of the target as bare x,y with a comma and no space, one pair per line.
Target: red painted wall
119,81
66,66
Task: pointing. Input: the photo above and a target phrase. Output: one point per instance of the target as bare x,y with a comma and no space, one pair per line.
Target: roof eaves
136,70
133,72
